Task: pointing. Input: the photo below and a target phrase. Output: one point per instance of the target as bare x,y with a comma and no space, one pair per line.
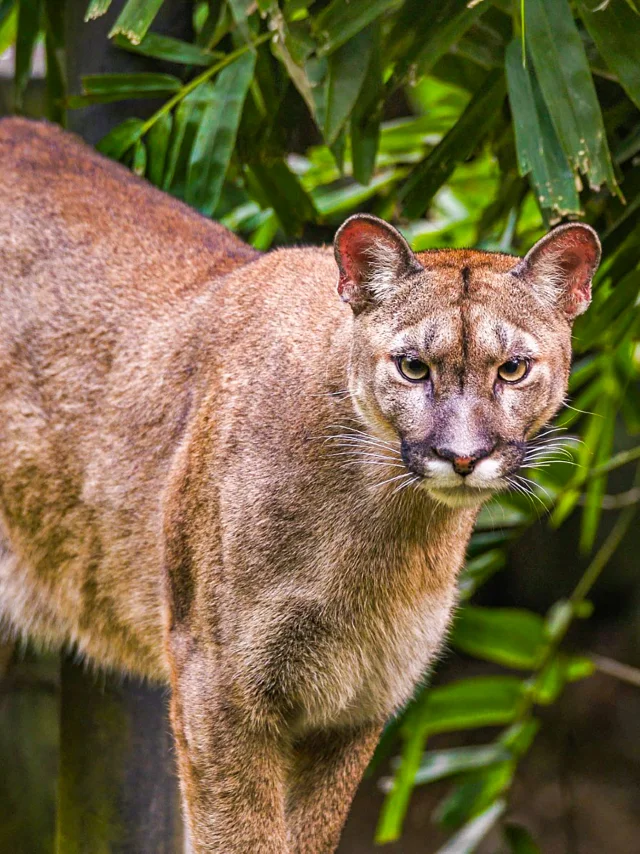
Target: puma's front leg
328,767
231,768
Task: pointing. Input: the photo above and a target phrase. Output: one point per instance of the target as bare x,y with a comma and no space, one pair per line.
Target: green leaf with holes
135,19
540,154
565,80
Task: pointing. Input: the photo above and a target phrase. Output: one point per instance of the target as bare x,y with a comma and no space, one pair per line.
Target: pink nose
463,465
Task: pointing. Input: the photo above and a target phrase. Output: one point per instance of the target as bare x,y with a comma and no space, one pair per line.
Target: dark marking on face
502,337
464,314
466,274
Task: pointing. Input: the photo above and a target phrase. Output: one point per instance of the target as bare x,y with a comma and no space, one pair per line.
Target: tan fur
174,499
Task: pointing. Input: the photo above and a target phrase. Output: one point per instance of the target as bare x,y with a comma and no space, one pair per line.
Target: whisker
527,493
582,411
349,442
533,484
392,479
555,441
549,432
547,452
357,440
361,453
339,393
405,485
549,449
372,463
366,435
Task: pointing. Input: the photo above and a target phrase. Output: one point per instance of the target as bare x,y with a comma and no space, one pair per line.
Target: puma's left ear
372,256
561,266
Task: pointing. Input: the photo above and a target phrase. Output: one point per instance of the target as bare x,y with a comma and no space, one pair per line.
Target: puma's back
97,270
114,231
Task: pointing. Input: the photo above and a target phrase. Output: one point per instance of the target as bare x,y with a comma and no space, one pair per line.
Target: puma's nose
462,464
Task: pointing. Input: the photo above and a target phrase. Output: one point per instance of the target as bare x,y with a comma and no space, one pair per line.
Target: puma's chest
371,667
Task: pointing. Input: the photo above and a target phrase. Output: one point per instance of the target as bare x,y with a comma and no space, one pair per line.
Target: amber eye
514,370
413,370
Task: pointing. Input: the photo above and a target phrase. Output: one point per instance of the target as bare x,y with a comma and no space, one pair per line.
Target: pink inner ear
354,245
567,256
577,257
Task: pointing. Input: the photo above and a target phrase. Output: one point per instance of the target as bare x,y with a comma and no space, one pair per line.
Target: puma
220,471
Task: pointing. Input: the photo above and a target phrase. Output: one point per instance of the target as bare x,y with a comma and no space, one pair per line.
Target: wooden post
117,788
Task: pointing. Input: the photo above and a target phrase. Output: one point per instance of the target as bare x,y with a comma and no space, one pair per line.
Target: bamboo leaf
520,840
96,9
216,136
466,840
139,162
119,140
396,803
439,764
565,79
142,83
366,117
539,151
461,141
615,29
135,19
347,70
182,118
281,190
240,10
550,682
424,32
468,703
29,22
339,21
8,25
508,636
168,49
56,63
157,148
473,794
292,53
479,569
106,88
596,487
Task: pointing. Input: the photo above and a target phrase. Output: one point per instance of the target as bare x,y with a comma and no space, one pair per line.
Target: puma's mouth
463,495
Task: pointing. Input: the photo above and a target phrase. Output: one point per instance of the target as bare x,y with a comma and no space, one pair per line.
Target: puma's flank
216,472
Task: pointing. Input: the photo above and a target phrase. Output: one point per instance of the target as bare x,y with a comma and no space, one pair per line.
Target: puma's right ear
561,265
371,255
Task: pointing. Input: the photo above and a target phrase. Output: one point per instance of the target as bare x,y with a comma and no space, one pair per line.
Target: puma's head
461,355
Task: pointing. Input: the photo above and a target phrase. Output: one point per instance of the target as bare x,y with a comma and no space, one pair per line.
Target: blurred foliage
476,123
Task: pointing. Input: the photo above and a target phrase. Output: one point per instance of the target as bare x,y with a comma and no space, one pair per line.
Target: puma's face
461,356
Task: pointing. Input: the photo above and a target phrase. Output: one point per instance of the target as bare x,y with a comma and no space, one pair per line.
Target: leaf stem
202,78
617,669
615,462
603,556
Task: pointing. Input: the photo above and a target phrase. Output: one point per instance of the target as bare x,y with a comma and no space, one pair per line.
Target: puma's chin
463,495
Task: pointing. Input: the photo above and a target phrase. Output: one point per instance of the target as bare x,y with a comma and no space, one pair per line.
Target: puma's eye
514,370
413,370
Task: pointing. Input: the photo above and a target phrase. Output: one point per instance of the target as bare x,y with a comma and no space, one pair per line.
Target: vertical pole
117,788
